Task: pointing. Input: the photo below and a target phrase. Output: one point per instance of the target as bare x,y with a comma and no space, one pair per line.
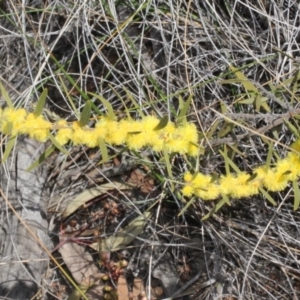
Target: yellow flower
115,135
188,132
36,127
275,181
187,191
84,136
211,192
101,129
193,150
135,139
187,177
243,187
77,134
149,123
227,184
201,181
293,160
64,133
177,145
296,146
12,119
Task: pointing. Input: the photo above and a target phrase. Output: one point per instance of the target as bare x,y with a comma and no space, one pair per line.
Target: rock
23,261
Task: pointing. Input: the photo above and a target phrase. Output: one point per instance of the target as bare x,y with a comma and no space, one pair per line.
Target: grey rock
23,261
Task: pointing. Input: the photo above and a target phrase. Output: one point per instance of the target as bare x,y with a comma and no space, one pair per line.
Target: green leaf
269,156
184,107
41,103
169,167
8,147
186,206
267,195
86,113
296,194
103,150
42,158
248,85
292,128
219,205
260,101
212,129
6,96
123,237
162,123
107,105
57,145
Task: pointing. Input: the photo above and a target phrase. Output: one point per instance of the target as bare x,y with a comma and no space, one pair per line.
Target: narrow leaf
107,105
184,107
86,113
42,158
269,156
186,207
6,97
57,145
248,85
296,194
41,103
8,147
292,128
168,164
162,123
137,106
123,237
267,195
103,150
219,205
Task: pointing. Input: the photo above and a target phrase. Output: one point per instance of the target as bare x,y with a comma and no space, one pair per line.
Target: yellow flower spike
294,161
152,136
187,177
36,127
177,145
135,137
201,181
149,123
210,192
275,181
288,167
78,133
187,191
101,129
193,150
64,132
188,132
115,135
186,138
15,117
83,136
227,184
243,187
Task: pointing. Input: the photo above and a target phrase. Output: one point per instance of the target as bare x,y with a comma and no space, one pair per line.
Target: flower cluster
136,134
245,185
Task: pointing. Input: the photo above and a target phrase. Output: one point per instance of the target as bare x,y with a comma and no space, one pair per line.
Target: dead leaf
138,288
123,237
92,193
139,179
82,267
122,289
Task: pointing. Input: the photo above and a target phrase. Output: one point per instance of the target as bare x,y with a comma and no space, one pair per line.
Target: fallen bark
22,260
